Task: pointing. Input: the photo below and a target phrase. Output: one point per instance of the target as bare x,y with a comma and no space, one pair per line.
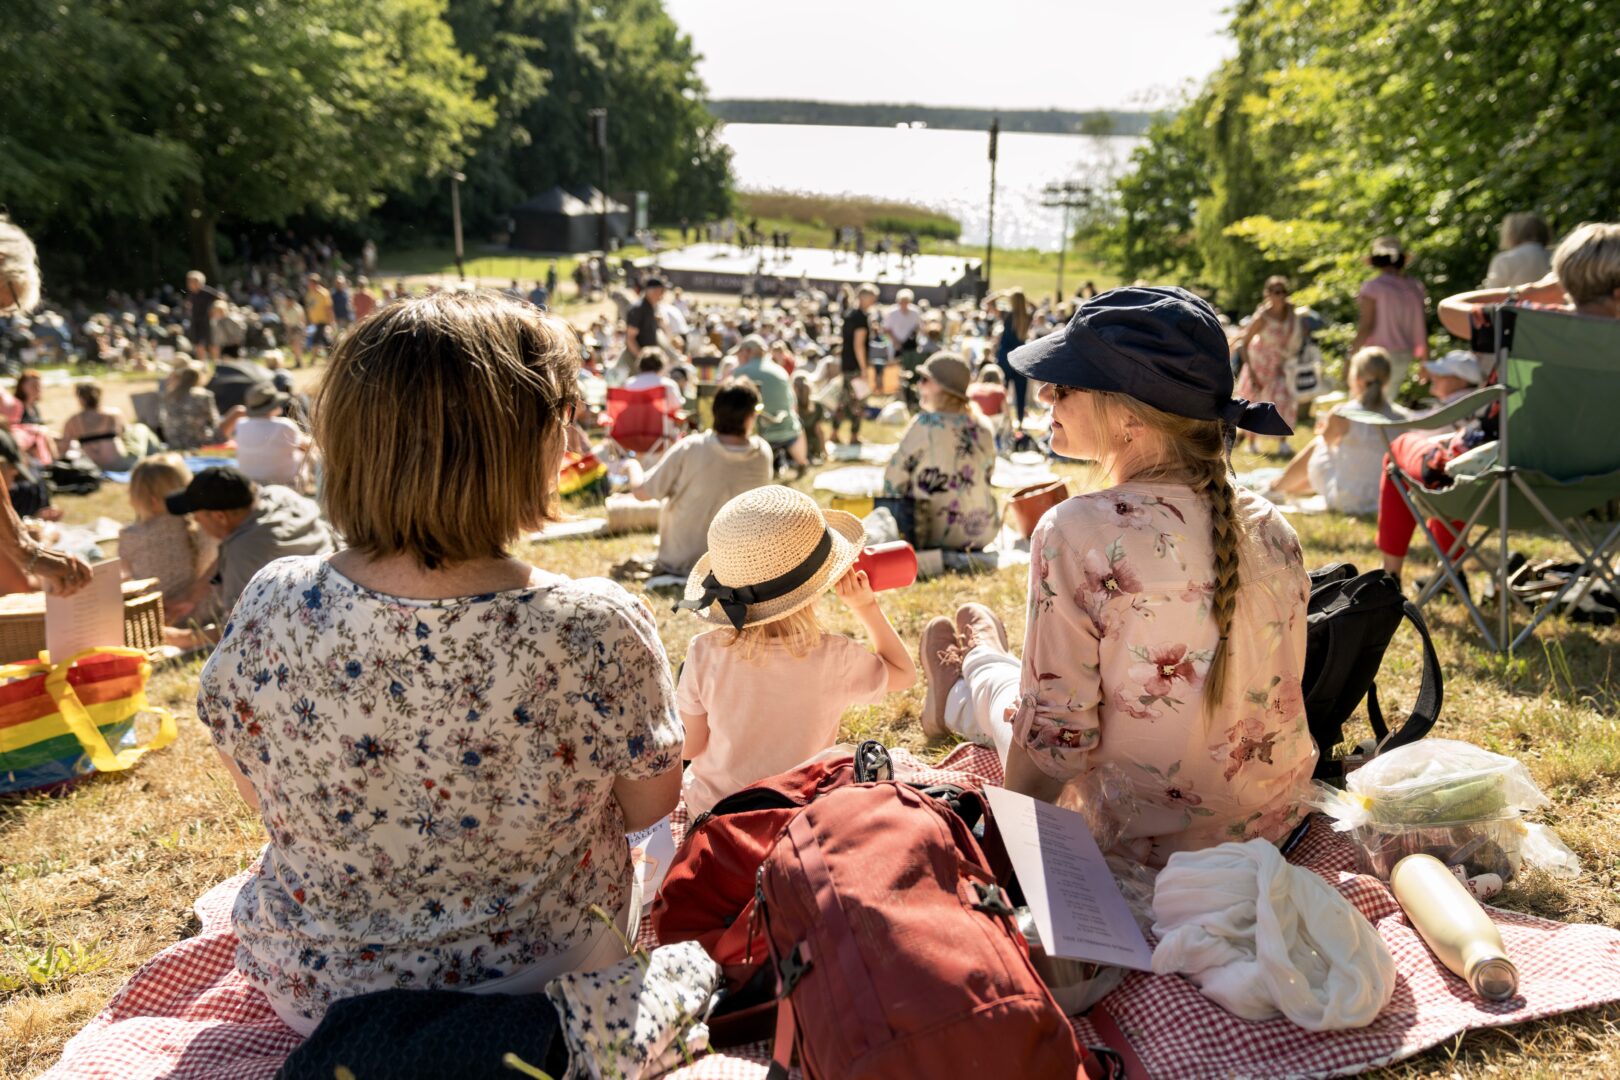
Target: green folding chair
1557,459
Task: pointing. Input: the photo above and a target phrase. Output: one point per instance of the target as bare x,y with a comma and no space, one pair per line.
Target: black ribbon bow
735,600
1260,417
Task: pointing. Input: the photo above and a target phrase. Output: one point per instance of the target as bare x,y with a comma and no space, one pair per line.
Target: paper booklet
91,618
1080,914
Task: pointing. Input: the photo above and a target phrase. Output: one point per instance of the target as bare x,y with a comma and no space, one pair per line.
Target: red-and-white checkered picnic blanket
188,1015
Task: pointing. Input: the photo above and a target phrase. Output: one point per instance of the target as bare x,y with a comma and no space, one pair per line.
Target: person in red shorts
1585,279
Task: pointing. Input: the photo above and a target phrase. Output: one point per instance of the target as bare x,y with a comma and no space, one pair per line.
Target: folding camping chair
1560,379
639,421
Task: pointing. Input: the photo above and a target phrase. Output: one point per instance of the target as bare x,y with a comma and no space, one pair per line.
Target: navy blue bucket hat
1158,344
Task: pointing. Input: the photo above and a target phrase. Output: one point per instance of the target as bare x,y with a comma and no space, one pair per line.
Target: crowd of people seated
448,744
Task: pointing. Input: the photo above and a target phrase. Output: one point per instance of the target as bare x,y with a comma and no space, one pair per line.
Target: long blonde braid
1194,452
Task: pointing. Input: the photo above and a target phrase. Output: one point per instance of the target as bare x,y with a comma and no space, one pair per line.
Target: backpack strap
1120,1060
1426,709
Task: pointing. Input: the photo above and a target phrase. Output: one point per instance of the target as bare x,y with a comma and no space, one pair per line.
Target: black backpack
1350,621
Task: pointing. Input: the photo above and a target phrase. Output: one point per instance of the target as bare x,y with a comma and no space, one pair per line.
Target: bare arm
60,573
227,423
697,734
243,788
645,802
856,591
1026,778
860,352
1456,311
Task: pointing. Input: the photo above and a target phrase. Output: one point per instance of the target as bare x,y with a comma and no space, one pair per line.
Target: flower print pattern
435,776
946,459
1116,665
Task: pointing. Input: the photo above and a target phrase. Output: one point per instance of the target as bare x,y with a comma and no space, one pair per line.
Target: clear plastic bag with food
1446,798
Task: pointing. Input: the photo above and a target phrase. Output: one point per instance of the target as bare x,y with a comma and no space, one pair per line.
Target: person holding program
701,473
1166,627
447,744
766,690
57,571
944,461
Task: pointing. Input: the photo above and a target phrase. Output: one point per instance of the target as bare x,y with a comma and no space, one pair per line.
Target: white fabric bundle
1260,937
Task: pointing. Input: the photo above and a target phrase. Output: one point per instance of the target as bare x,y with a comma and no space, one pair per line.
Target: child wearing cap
766,691
1166,624
944,461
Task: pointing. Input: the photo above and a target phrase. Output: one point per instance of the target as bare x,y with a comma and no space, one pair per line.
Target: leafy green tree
1340,120
290,107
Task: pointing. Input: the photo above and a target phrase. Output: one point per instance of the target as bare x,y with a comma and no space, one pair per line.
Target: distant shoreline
946,117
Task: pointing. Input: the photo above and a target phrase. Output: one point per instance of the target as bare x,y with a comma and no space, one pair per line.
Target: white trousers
976,707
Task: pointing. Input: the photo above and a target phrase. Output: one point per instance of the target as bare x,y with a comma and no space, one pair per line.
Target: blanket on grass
188,1015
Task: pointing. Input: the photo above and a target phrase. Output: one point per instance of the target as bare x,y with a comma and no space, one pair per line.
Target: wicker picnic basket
22,621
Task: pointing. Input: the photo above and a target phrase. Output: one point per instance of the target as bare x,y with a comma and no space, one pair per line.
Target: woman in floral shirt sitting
944,461
1166,631
447,744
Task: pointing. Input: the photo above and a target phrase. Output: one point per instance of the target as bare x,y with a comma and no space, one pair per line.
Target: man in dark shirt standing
642,322
855,370
201,297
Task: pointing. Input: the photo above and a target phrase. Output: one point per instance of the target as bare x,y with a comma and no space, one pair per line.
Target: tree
1340,120
297,106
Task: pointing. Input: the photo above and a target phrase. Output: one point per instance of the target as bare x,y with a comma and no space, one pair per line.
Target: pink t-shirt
1398,322
767,717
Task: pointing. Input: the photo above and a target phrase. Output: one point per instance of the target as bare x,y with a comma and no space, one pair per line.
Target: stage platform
725,268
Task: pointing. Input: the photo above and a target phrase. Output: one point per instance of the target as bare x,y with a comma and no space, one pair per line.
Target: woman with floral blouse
944,461
1166,624
447,745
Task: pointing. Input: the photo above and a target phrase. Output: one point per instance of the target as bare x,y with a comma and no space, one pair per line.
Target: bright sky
1009,54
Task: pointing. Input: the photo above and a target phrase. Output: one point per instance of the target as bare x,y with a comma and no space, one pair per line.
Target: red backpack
897,952
708,893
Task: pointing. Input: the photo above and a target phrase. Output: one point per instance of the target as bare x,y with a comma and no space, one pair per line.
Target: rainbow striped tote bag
59,722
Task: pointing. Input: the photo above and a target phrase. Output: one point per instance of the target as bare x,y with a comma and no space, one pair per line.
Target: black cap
654,282
218,488
1158,344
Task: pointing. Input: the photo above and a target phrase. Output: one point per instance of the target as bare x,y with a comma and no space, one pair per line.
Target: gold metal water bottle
1456,928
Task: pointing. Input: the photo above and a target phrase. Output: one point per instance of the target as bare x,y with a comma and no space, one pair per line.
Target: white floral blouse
947,458
435,775
1117,648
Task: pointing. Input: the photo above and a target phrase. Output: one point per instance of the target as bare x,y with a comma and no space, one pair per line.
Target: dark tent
567,220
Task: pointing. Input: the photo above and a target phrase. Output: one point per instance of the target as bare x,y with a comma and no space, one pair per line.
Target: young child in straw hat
766,691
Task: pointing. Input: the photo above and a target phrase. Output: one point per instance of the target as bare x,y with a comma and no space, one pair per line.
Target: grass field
94,882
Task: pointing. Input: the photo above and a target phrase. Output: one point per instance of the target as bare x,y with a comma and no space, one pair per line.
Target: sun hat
950,373
262,399
1458,362
772,551
1158,344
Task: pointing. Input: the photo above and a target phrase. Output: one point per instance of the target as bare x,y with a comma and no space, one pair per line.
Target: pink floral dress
1267,373
1117,649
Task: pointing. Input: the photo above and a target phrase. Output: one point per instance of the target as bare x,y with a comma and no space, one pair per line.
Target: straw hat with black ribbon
772,551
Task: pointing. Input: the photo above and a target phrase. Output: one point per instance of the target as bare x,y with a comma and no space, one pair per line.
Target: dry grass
104,876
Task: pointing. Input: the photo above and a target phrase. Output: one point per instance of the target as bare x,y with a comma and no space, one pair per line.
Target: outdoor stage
725,268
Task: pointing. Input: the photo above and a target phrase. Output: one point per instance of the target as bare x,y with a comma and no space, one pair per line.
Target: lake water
945,170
